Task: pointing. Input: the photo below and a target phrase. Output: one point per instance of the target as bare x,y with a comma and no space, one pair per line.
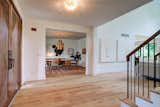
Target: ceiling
89,12
64,34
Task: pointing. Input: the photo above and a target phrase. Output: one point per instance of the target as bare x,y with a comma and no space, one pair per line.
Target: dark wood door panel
13,76
4,26
10,43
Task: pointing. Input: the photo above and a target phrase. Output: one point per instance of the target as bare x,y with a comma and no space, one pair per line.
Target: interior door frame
86,46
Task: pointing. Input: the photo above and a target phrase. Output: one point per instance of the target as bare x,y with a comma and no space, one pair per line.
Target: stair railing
157,71
142,67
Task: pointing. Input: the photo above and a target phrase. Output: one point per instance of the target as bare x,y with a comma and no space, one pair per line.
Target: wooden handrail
143,44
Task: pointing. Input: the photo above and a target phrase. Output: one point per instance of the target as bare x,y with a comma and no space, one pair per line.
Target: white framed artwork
114,50
108,50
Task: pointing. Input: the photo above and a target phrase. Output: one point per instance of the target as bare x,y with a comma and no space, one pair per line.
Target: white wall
142,21
34,46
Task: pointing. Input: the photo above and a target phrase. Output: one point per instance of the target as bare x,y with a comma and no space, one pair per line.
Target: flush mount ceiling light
71,4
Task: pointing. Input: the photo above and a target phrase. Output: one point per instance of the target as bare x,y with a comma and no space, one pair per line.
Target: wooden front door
10,52
4,26
14,49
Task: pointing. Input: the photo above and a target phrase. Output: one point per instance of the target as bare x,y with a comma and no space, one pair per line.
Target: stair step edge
128,102
145,99
156,90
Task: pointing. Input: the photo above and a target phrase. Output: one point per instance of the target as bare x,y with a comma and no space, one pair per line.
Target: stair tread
129,102
156,90
144,98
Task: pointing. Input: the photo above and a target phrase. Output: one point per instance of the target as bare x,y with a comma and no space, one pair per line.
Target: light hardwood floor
61,71
73,91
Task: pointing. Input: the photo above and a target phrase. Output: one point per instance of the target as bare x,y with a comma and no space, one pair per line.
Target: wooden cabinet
10,51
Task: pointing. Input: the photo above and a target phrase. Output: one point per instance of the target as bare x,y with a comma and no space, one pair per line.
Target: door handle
5,61
11,60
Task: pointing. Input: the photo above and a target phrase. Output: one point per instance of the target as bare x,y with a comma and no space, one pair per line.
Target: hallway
73,91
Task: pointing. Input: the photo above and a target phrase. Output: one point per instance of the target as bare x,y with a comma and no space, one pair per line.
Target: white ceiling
64,34
89,12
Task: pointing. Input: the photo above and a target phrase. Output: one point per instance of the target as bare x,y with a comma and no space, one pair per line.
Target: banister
155,69
158,54
139,72
143,44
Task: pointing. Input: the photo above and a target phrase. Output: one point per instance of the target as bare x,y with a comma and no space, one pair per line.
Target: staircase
143,74
153,101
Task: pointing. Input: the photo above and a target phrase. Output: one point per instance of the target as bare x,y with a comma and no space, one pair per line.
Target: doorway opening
65,53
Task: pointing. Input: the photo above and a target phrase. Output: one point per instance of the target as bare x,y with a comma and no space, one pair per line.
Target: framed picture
84,51
70,51
108,50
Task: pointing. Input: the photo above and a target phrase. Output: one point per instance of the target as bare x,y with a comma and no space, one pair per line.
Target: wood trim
20,83
15,8
143,44
6,104
128,102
